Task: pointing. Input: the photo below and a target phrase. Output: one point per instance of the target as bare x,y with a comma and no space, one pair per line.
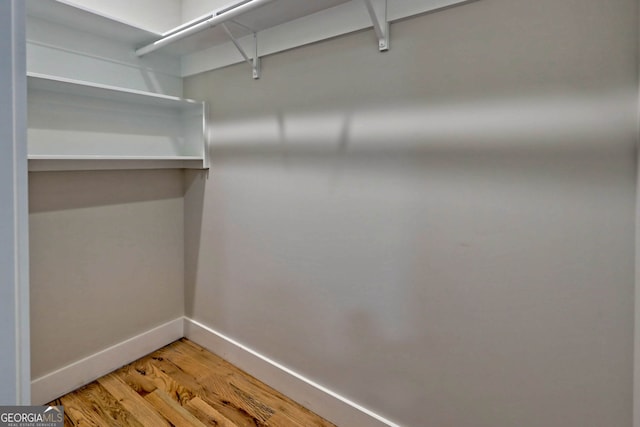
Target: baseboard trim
66,379
319,399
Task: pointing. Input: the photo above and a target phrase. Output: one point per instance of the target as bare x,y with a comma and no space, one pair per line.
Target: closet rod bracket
255,61
378,14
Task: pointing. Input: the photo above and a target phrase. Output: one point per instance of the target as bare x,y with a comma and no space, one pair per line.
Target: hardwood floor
182,384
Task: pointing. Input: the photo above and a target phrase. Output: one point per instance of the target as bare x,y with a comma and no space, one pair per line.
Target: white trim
317,398
23,333
14,252
636,350
77,374
636,339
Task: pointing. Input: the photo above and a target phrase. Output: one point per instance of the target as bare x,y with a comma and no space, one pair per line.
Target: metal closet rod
200,25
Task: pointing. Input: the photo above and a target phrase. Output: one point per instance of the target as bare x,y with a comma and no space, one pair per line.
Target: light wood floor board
182,384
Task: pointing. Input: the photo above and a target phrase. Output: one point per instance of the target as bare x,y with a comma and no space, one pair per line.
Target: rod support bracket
378,14
256,69
255,61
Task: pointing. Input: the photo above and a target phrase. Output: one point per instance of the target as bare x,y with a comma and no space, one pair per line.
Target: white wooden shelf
84,163
98,157
78,125
277,25
71,15
67,86
75,124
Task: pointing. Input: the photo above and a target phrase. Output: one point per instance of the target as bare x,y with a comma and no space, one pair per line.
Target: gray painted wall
106,260
14,272
443,233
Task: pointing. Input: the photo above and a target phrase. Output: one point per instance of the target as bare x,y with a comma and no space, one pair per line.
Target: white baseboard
57,383
324,402
319,399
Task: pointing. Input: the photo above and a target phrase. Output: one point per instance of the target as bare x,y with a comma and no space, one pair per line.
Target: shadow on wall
444,232
532,124
194,189
427,258
54,191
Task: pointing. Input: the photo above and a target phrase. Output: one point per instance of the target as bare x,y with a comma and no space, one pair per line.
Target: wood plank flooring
179,385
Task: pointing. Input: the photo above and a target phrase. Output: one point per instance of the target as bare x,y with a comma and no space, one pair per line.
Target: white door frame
636,346
14,251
